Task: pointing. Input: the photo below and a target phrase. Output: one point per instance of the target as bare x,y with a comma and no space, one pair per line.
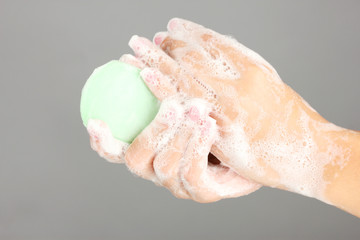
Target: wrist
297,149
287,151
306,154
342,173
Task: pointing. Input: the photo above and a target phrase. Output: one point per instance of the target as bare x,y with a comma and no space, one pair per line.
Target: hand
173,150
268,133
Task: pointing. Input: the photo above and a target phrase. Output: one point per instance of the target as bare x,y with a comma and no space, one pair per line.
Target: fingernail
194,113
198,109
149,75
172,24
159,38
139,45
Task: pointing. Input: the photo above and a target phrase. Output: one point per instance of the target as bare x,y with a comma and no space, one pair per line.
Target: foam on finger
161,86
132,60
207,41
159,37
108,147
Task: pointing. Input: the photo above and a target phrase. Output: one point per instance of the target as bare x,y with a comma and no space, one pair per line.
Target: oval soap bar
116,94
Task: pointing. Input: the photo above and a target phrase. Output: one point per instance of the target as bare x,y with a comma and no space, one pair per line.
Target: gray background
53,186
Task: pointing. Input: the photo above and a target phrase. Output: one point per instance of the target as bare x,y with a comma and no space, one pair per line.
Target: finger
205,51
191,32
205,43
214,42
172,45
169,44
208,183
159,37
102,141
195,160
153,56
167,163
161,86
195,34
142,151
130,59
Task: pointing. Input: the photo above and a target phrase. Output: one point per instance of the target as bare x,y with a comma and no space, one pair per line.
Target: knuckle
188,180
198,191
128,160
170,44
180,193
167,183
192,57
137,165
206,37
131,163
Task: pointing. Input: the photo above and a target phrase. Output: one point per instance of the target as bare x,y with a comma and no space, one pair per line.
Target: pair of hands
217,96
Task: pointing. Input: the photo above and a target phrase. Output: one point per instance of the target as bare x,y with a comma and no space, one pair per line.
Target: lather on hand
265,133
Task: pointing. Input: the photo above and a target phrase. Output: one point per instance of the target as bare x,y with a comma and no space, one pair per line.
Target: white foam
293,155
215,181
217,63
106,145
218,182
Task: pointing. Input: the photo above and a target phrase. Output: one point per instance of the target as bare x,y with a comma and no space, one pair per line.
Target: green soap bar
116,94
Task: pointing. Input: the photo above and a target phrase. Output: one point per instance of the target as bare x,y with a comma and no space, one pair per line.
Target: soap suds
180,114
221,66
104,143
294,155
